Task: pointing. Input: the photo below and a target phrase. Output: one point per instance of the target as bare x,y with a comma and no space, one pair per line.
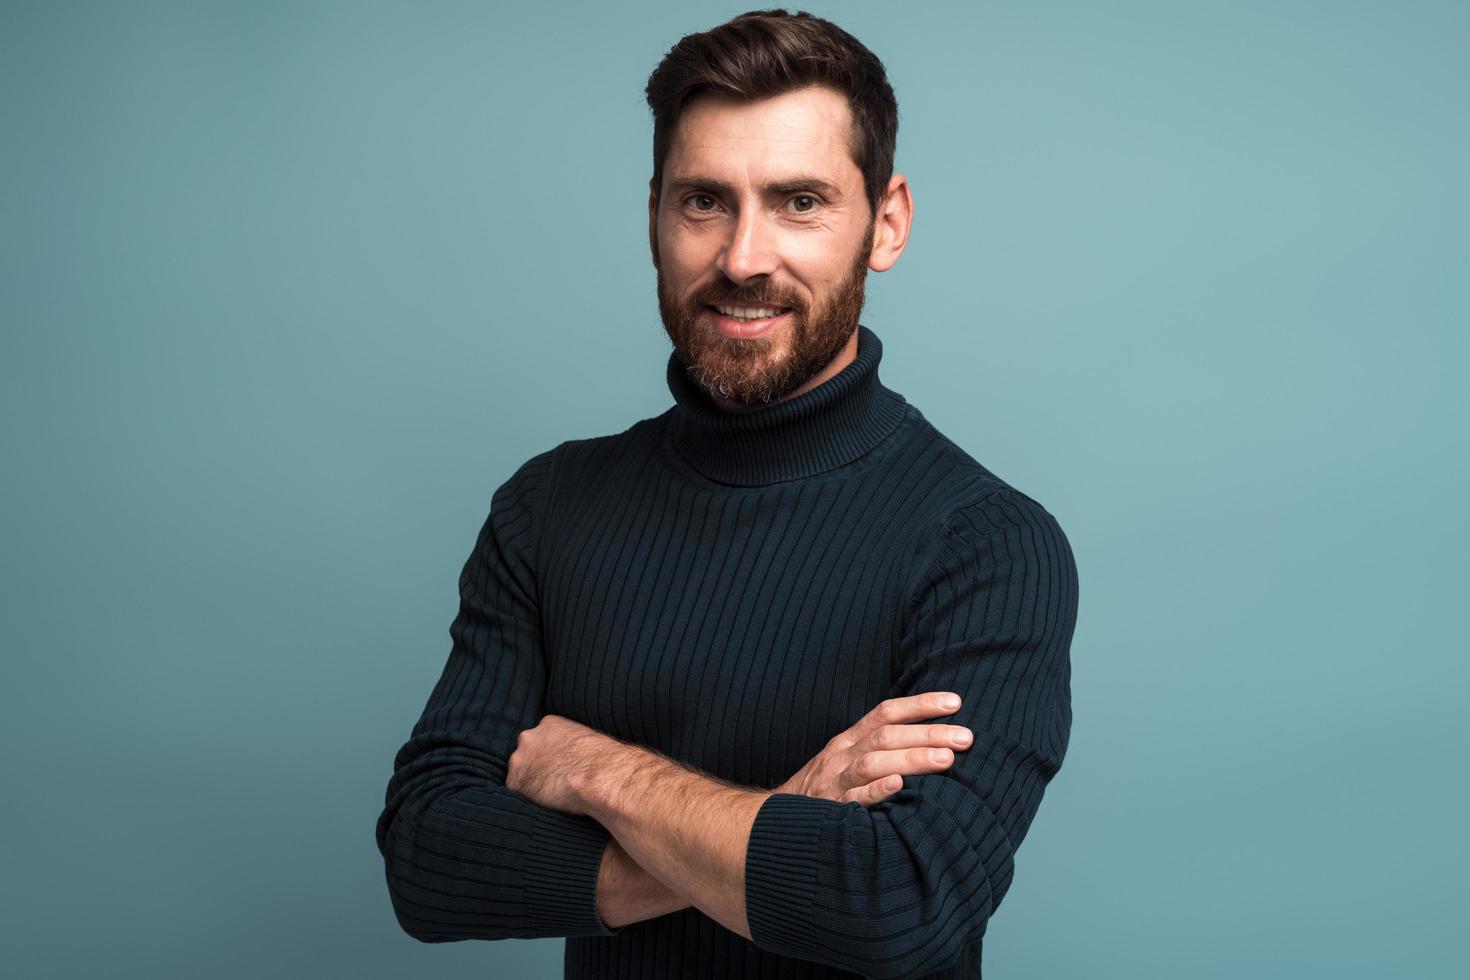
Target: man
700,666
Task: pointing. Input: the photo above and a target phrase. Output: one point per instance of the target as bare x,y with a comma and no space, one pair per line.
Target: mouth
744,322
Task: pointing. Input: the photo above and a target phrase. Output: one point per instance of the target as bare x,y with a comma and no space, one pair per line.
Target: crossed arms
677,832
890,889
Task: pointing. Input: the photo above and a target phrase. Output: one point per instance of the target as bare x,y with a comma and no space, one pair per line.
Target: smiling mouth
749,314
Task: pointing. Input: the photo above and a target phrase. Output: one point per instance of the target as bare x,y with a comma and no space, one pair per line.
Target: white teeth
748,312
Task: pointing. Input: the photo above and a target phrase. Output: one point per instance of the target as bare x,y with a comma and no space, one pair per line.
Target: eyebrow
790,185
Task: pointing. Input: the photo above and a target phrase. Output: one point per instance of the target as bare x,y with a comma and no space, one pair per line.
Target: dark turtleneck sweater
732,590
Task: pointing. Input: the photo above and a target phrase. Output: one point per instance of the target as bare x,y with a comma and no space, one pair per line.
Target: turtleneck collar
819,430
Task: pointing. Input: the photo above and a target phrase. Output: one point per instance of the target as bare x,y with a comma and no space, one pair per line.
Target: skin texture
762,204
736,223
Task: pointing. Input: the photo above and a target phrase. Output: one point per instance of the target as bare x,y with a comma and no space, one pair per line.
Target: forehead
801,130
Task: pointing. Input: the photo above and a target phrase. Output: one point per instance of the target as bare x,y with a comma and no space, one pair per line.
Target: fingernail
940,755
950,701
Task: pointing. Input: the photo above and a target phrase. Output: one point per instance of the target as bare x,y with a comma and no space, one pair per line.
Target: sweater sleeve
901,889
465,857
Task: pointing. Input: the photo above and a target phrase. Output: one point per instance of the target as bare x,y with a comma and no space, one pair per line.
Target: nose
751,250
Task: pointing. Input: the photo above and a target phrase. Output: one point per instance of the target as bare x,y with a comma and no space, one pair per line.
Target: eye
807,200
692,198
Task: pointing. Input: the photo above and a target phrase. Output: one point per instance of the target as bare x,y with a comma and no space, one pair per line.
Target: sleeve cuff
560,875
780,870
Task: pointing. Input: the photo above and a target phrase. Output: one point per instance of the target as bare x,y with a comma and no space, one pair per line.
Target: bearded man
770,684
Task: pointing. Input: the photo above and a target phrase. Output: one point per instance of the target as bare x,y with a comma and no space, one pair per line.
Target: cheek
817,265
686,257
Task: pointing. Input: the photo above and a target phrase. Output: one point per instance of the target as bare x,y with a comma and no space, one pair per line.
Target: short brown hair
769,52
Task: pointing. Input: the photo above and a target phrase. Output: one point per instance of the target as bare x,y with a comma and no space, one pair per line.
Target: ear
653,222
892,223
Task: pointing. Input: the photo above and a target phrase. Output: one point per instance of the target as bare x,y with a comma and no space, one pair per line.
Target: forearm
687,830
627,893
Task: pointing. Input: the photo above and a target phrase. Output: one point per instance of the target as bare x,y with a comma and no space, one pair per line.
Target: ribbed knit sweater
732,590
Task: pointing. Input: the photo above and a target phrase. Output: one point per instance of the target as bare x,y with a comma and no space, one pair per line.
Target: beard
741,369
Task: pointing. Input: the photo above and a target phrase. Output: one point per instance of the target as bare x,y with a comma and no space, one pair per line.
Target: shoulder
586,462
575,467
967,496
976,512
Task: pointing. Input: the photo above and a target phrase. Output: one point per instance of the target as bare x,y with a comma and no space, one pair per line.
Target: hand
866,762
555,761
628,893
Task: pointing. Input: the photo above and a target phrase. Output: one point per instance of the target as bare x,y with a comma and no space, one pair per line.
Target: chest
737,633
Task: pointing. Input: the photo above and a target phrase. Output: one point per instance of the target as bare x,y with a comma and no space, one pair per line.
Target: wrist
605,771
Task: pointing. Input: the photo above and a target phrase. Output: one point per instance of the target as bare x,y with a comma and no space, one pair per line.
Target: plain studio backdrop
289,289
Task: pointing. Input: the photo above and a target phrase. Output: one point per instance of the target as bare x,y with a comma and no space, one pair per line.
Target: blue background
289,289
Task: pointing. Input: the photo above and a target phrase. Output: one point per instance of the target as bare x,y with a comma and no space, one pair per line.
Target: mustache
739,297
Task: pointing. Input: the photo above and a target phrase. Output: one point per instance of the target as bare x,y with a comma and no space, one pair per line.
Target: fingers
913,707
872,766
890,737
875,792
896,711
